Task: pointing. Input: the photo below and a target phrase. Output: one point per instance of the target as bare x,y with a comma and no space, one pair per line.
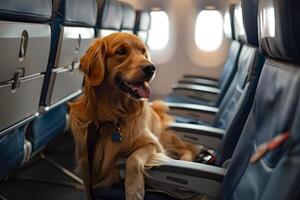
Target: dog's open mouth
136,89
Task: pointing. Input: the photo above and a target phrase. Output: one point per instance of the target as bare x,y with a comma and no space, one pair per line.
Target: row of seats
259,110
41,43
225,120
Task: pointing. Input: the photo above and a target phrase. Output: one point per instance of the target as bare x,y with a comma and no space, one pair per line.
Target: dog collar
116,135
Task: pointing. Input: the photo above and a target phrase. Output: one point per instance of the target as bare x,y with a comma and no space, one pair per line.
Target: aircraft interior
228,70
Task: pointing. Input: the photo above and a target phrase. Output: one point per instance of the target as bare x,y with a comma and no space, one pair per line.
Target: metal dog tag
116,135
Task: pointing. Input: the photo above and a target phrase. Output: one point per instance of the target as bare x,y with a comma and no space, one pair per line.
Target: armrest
194,111
208,136
185,176
197,91
200,81
199,76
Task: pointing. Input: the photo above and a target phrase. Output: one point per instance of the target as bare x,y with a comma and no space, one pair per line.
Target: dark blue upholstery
276,109
26,11
12,150
46,127
249,10
273,112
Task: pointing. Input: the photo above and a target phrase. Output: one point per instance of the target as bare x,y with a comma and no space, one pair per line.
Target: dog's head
122,61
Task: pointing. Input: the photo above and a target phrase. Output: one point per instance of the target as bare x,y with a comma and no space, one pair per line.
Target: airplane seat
128,21
142,24
236,105
46,127
13,150
109,17
239,95
72,32
24,30
275,113
205,91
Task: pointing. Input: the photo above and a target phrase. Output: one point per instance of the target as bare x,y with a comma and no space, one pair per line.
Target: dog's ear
92,64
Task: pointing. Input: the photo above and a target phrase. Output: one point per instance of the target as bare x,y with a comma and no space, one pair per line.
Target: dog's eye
143,51
121,51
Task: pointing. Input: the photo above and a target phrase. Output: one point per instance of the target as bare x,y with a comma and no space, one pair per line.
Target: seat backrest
72,30
23,61
276,110
128,21
109,17
230,66
238,100
24,51
142,24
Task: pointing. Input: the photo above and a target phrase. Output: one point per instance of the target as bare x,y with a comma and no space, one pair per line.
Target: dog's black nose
149,69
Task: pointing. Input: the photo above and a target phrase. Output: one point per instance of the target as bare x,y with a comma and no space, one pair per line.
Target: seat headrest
239,29
143,20
279,30
229,22
128,21
74,12
27,11
249,10
110,15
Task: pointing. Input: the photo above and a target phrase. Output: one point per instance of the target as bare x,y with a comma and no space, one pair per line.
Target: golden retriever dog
117,72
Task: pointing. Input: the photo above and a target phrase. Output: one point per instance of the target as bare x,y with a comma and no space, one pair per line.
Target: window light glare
159,30
209,30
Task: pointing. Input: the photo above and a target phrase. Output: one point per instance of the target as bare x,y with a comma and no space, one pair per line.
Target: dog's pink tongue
142,90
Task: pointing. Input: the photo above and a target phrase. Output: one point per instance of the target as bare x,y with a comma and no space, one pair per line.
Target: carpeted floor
41,180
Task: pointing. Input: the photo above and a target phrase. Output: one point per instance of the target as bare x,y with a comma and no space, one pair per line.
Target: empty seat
128,21
142,24
201,90
230,66
24,46
235,107
109,17
72,32
276,111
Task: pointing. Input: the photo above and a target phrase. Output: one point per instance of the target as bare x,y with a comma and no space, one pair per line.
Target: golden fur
143,126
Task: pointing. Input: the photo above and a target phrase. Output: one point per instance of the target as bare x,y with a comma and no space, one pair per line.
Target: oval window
159,30
209,30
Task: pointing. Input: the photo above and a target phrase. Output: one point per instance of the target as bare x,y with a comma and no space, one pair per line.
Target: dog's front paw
135,192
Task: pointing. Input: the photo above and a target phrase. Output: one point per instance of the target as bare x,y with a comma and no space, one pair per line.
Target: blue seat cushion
12,150
47,126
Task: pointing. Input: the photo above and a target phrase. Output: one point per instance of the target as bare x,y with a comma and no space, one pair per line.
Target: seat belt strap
92,138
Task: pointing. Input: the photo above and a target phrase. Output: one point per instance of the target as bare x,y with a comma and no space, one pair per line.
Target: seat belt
92,138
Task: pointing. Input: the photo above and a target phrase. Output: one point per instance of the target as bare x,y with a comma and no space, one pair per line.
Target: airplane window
159,30
209,30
